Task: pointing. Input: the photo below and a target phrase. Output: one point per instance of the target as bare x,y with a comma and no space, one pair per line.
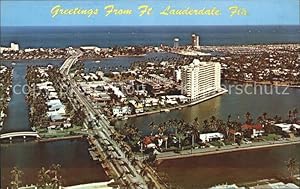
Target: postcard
150,94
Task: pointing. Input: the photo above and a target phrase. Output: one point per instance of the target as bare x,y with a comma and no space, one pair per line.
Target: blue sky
261,12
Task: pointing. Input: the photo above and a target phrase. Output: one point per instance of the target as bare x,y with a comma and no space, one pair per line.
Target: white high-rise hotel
201,80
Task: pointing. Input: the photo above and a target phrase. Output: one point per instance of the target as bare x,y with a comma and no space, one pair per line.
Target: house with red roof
256,130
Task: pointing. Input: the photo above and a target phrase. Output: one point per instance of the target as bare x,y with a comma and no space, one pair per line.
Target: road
119,163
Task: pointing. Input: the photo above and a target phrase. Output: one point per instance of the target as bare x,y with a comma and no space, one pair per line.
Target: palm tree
206,126
213,122
56,179
50,177
43,178
265,115
248,117
16,175
277,118
260,119
292,167
222,127
180,133
228,118
290,115
295,112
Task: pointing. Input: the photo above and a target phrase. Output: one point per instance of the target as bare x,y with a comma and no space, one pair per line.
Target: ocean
61,37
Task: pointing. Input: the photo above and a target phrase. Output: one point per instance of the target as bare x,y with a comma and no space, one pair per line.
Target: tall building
14,46
176,42
195,40
200,80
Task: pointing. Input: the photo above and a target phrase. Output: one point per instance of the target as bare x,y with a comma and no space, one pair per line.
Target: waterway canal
198,172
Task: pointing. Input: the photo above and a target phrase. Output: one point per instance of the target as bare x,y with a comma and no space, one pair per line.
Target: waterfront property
159,95
138,92
5,91
258,185
200,80
288,128
13,47
51,112
208,137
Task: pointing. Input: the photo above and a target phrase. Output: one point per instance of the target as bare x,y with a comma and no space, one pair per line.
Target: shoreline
263,83
60,138
18,60
213,151
57,59
46,140
177,107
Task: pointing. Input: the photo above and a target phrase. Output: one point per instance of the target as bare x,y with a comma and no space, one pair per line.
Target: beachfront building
13,47
195,40
200,80
176,42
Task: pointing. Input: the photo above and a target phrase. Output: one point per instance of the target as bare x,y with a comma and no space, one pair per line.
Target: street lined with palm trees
100,136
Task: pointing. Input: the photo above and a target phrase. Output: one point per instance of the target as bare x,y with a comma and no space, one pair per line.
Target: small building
119,94
53,95
256,130
137,107
177,98
117,111
44,85
208,137
141,92
286,127
57,117
149,102
102,98
177,75
58,110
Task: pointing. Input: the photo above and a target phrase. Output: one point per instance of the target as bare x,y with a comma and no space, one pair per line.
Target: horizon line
149,25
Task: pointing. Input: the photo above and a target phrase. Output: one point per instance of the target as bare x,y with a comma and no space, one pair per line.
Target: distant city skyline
37,13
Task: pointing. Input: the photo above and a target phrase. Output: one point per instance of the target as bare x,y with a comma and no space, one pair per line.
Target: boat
98,61
166,110
13,63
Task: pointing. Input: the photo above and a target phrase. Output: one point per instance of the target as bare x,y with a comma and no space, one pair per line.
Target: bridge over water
23,134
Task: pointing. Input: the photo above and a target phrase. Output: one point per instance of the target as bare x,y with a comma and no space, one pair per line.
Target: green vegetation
217,143
47,178
37,98
271,137
16,176
176,135
5,87
56,133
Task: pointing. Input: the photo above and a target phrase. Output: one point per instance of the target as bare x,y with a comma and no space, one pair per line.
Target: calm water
198,172
235,104
72,155
236,167
187,173
113,64
77,166
149,35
